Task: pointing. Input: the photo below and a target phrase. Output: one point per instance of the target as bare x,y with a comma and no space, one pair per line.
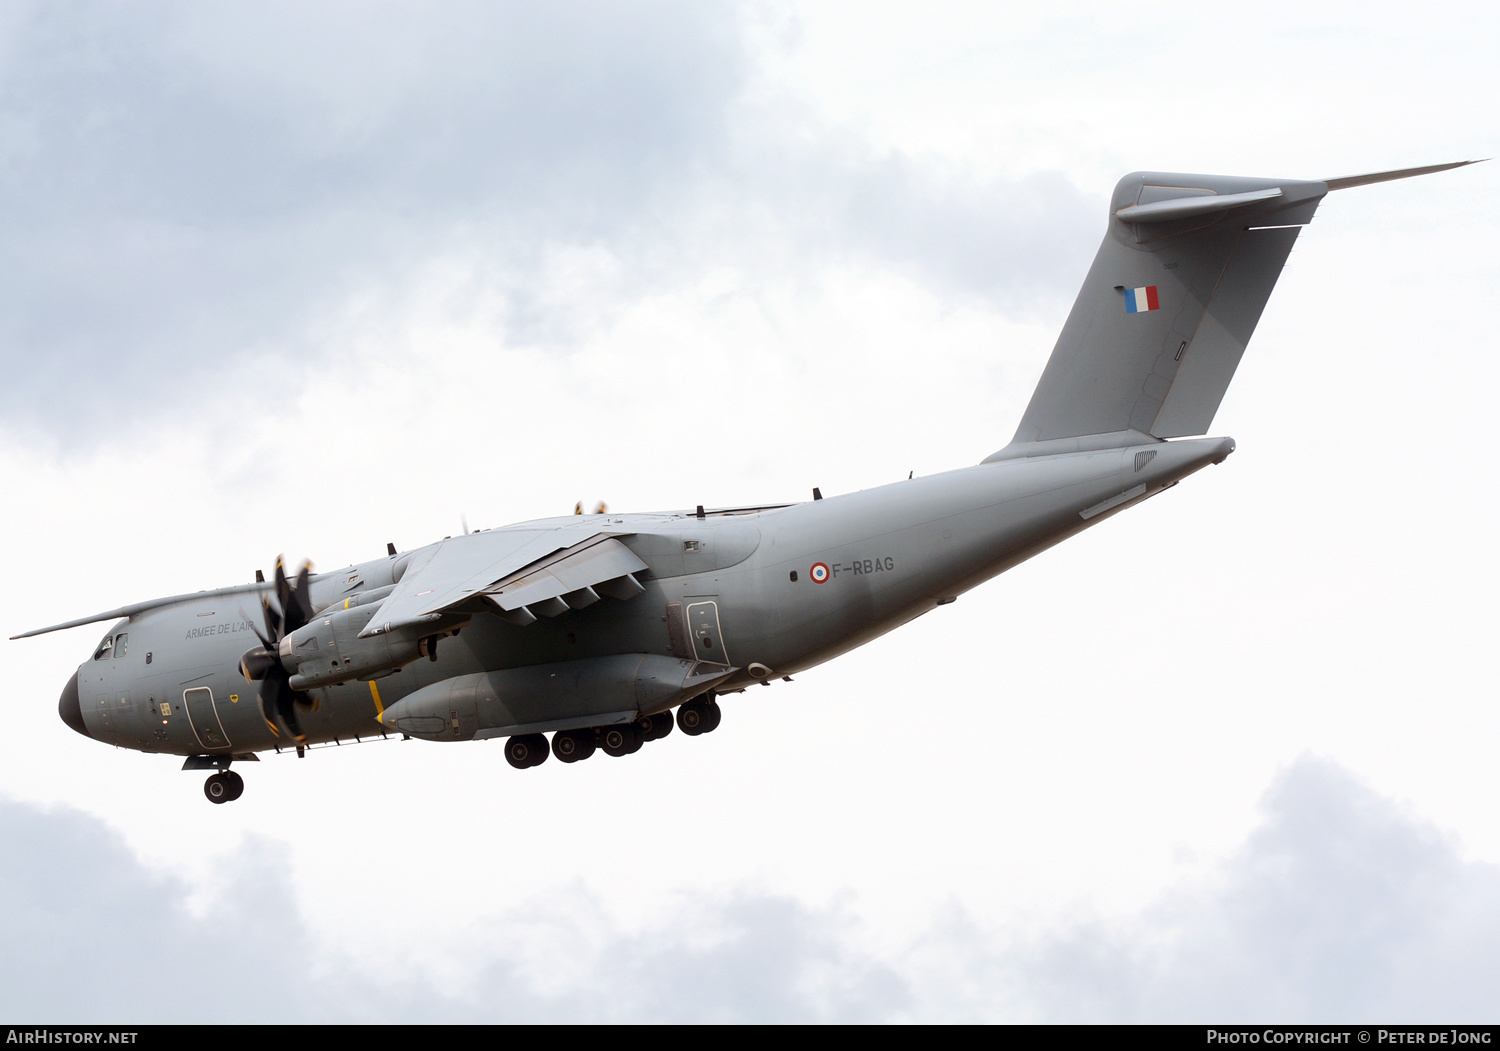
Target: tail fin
1176,290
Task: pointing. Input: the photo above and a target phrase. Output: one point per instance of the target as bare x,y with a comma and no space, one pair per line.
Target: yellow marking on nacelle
379,708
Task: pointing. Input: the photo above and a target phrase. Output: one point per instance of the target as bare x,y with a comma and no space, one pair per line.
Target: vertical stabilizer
1186,268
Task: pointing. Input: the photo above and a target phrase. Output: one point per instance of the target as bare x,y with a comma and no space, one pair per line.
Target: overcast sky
314,278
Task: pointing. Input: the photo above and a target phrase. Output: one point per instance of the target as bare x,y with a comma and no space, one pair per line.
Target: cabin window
120,644
104,648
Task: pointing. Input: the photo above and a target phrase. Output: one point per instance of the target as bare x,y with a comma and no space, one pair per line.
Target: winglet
1345,182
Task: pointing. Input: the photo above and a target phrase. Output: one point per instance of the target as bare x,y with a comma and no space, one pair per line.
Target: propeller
279,703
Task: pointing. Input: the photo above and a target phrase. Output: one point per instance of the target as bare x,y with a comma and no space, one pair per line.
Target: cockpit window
104,648
120,641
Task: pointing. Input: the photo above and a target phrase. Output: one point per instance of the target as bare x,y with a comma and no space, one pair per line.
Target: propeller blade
296,604
279,703
288,702
279,706
273,622
302,592
268,705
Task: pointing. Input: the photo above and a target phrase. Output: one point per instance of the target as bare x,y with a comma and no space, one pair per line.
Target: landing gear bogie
526,750
574,746
654,727
620,740
699,716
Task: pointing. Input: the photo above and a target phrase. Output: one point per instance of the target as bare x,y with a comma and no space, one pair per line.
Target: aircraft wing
518,574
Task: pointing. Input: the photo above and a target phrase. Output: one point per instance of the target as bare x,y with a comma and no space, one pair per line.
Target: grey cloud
1338,908
186,185
761,958
89,934
1023,245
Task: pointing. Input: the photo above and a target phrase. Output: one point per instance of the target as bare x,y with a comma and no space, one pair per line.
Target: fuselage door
704,631
203,718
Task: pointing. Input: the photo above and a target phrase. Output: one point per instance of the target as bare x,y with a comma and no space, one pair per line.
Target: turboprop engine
607,690
328,648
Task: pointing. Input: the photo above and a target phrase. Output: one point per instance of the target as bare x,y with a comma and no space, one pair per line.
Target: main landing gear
224,787
698,716
572,746
526,750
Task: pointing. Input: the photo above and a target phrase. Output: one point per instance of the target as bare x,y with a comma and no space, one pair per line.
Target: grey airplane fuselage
591,626
775,589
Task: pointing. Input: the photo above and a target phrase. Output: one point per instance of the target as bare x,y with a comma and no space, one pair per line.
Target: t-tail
1186,268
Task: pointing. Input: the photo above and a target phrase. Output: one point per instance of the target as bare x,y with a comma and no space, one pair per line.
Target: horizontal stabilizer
1346,181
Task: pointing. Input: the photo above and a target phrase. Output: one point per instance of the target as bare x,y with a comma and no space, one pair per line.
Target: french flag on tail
1140,300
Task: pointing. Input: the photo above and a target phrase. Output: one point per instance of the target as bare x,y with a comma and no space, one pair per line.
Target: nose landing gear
224,787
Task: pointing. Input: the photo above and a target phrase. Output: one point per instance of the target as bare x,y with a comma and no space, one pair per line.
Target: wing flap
575,576
453,570
523,573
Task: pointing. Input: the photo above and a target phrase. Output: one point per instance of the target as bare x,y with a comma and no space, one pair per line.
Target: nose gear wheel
224,787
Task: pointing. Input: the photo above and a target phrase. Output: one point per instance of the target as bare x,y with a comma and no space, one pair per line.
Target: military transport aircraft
594,628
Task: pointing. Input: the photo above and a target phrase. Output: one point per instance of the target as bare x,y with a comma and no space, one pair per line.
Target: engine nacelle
328,649
597,691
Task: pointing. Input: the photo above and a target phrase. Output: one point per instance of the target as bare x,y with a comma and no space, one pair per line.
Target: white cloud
189,188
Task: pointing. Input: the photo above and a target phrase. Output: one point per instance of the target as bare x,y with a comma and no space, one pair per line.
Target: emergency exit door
706,636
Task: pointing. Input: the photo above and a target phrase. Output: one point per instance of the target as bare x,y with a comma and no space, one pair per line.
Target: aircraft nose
69,708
